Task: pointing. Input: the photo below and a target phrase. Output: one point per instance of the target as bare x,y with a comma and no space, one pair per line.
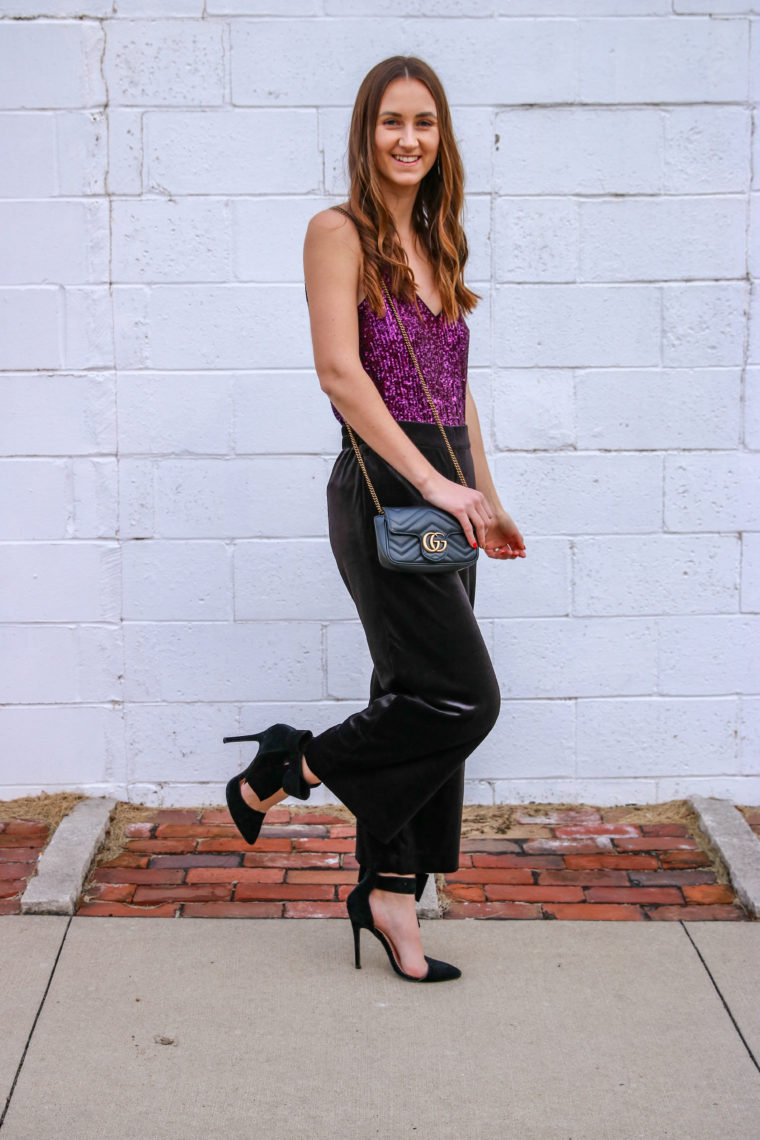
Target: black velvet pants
398,764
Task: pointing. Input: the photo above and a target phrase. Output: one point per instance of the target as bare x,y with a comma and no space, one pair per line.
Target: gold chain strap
389,300
372,490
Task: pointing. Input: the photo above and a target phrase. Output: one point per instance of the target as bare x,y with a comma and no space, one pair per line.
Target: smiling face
406,135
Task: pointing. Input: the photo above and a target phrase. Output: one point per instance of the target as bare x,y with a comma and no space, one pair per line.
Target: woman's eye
396,122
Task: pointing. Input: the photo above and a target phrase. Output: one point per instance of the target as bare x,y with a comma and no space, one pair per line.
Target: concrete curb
66,859
429,905
737,845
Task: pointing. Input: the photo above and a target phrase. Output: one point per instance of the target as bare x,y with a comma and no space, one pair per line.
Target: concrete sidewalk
245,1028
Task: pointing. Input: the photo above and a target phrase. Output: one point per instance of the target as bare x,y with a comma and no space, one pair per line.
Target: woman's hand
503,539
465,503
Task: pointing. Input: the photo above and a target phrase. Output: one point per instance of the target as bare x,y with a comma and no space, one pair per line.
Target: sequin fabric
441,349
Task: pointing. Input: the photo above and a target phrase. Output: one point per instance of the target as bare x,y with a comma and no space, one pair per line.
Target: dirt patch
329,809
499,819
116,840
478,821
50,808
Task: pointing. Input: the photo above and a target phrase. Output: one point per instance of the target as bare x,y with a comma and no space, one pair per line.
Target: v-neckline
424,302
435,316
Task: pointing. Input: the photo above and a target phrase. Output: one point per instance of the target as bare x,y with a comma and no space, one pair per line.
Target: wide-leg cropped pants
398,764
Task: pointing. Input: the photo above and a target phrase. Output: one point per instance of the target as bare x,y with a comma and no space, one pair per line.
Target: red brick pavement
752,816
193,863
584,864
21,841
576,864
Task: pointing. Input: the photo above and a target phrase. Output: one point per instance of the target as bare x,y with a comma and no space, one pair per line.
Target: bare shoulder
329,226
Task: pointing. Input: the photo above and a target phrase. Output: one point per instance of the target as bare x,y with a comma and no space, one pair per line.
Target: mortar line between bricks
34,1025
726,1006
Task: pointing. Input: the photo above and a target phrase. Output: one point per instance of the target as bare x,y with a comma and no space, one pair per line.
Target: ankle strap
395,884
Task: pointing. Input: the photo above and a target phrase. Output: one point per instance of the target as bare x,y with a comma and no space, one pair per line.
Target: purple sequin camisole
441,348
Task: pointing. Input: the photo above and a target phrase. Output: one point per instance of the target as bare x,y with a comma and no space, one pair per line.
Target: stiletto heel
355,926
360,914
277,764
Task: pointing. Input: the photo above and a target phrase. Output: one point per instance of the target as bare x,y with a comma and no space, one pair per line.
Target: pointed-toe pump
360,914
277,764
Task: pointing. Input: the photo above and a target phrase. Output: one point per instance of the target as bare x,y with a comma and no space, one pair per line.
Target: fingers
469,507
481,526
482,519
505,551
470,531
485,518
475,521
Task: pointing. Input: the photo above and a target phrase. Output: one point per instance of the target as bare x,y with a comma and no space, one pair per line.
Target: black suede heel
360,914
277,764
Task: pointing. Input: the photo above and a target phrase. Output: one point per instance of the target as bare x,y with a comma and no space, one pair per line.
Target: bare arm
332,261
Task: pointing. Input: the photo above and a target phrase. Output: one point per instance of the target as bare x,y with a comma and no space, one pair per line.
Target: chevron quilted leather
401,543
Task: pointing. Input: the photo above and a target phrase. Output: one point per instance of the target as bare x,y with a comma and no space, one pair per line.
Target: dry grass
327,809
479,821
49,808
52,808
498,820
116,840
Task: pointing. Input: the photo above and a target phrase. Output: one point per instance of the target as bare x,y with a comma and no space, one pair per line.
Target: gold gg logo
434,542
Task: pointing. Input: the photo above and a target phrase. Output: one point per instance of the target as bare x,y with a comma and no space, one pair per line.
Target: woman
399,763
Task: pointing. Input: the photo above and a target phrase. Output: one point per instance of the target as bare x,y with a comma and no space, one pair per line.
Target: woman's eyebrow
418,115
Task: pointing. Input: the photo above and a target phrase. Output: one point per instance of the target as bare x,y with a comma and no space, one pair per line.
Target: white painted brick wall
165,573
579,325
293,578
708,654
713,491
51,64
652,410
576,657
217,661
177,581
750,573
673,736
79,414
613,574
32,573
57,664
62,242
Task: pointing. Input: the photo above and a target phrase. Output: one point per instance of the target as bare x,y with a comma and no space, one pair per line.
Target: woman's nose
408,136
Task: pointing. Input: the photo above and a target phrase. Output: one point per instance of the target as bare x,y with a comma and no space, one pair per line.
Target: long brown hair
437,207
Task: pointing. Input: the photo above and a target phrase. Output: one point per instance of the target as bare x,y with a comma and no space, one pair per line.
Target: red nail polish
474,546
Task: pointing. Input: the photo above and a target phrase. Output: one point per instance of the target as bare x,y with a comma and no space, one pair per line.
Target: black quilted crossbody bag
423,539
